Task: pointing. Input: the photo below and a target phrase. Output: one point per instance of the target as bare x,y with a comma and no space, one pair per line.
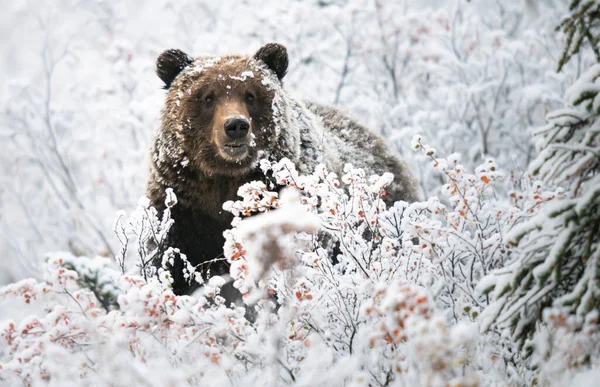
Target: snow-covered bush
361,317
398,303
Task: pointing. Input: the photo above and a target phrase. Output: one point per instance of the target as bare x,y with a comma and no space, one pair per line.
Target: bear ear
170,63
274,55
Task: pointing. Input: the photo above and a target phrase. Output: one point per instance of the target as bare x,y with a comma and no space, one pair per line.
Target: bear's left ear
170,63
275,56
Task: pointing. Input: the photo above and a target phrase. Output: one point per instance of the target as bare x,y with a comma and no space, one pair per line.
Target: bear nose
237,127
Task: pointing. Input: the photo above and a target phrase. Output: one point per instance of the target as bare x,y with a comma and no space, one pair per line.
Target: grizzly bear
221,116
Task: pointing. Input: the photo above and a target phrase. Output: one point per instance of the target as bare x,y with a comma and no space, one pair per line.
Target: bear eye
249,97
209,100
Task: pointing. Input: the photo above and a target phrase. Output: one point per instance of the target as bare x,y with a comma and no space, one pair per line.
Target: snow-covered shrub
365,316
338,290
427,245
361,308
462,242
117,322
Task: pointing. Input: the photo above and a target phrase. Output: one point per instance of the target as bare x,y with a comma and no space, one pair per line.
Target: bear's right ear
275,56
170,63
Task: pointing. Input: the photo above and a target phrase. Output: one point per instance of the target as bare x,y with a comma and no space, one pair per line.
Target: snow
243,76
586,379
429,293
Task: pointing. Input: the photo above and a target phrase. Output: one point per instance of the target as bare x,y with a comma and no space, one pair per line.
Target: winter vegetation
493,279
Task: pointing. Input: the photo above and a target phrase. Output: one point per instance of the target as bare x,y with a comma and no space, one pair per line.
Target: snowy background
80,102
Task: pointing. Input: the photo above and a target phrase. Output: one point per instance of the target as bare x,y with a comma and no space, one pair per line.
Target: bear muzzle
235,150
236,130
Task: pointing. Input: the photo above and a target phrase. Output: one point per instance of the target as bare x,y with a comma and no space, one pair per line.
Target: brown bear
221,116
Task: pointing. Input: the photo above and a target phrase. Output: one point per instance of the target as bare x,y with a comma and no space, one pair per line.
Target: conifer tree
581,27
557,259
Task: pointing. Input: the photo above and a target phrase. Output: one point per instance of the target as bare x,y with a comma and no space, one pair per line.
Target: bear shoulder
350,142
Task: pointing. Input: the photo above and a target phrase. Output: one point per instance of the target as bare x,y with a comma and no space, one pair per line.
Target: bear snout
236,127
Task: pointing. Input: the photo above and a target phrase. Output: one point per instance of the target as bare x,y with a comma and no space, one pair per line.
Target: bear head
222,114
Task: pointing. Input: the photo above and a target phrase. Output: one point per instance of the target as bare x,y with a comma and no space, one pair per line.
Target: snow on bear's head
224,112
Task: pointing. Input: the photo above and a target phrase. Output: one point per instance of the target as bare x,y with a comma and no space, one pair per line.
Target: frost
465,333
416,141
171,198
216,281
144,202
492,280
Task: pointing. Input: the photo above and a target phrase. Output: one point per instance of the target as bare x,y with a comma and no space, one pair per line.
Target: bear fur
221,116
